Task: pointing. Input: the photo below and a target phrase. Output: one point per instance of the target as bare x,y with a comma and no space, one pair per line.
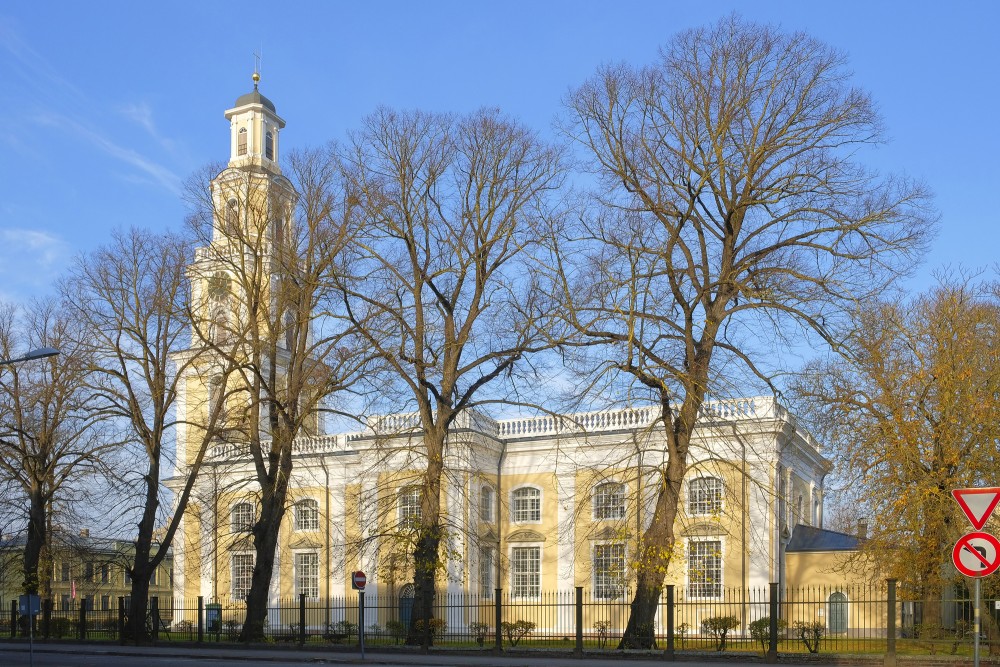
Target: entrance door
837,612
406,605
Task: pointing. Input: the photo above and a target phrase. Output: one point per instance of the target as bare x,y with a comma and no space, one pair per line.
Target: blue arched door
837,612
406,605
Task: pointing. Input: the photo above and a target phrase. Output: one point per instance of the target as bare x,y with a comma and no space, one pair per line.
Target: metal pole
31,638
975,624
361,622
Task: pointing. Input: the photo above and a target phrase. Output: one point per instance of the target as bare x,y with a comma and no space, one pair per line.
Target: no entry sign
358,580
977,554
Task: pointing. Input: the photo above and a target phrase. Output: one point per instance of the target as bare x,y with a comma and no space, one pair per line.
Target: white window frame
232,575
516,512
244,527
516,591
487,500
703,506
297,574
600,589
720,584
600,507
408,514
487,570
306,515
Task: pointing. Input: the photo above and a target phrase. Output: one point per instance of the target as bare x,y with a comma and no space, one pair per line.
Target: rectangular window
527,505
525,572
65,572
486,572
64,602
128,577
105,602
88,572
705,496
609,501
105,573
242,575
705,568
154,578
609,571
307,574
409,507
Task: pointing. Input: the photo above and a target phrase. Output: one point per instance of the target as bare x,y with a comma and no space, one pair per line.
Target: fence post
121,620
82,630
669,652
154,615
498,605
890,620
46,618
201,618
13,619
302,619
578,650
773,605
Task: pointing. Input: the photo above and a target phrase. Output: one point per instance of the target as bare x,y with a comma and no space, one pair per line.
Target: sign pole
975,623
361,623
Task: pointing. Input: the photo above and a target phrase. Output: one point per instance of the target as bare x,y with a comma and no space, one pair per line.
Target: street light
40,353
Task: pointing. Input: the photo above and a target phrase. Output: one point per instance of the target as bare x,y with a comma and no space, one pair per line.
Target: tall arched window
609,501
307,515
486,502
526,505
269,145
241,142
705,496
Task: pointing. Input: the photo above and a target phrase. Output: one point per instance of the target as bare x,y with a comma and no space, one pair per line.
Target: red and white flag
73,588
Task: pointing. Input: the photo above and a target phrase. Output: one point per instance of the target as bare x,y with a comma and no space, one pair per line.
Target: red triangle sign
978,504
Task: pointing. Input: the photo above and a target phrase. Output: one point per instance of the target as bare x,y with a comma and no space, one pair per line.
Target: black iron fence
824,619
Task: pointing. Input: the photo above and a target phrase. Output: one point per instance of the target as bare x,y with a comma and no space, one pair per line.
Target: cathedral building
533,505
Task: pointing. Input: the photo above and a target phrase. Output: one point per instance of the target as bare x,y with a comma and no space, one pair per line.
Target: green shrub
719,627
602,628
479,631
810,632
760,631
397,630
516,631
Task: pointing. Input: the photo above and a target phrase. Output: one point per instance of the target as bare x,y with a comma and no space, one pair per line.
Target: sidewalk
385,657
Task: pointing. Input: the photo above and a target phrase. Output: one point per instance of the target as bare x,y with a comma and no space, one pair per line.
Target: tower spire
256,68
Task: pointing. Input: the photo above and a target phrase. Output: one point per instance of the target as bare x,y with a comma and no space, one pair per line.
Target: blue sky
107,107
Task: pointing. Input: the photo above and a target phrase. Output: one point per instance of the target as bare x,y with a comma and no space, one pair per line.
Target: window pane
307,574
307,515
609,571
525,571
242,518
486,572
486,504
527,505
609,501
705,496
241,142
705,569
242,575
409,507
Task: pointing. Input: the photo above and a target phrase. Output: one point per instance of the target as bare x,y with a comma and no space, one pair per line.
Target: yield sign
978,504
976,554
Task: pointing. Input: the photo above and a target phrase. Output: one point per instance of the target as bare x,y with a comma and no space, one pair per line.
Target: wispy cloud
55,100
157,172
30,260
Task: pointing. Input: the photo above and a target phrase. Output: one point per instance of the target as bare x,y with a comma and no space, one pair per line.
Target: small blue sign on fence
29,605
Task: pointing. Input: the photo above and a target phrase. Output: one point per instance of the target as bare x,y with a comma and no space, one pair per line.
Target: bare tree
270,249
49,436
733,216
131,299
447,289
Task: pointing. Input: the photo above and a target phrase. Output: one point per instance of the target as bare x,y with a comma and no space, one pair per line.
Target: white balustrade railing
760,407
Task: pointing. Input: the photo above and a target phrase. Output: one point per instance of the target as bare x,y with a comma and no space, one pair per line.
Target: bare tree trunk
426,553
142,566
36,539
